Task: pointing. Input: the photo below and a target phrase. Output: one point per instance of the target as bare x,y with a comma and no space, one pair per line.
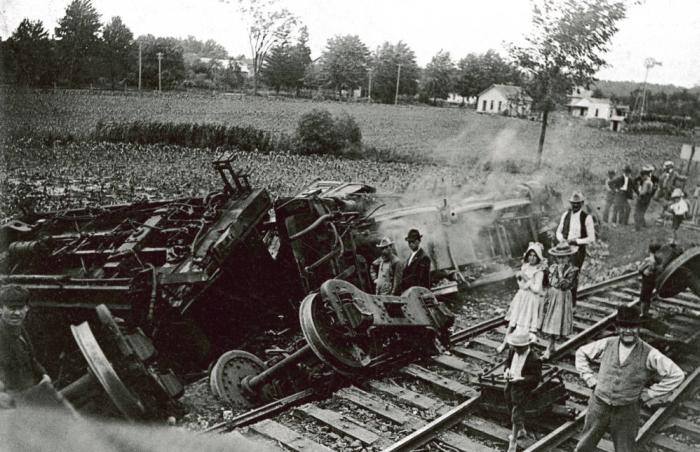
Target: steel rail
427,433
658,419
430,431
263,412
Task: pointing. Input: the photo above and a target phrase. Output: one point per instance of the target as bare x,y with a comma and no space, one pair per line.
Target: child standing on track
558,317
523,313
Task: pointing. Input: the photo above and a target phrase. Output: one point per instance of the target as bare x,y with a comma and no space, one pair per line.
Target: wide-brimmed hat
519,338
563,249
413,234
576,197
537,248
677,193
14,295
668,163
384,242
647,169
628,316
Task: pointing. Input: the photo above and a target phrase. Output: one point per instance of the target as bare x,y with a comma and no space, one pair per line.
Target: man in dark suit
417,269
523,374
624,186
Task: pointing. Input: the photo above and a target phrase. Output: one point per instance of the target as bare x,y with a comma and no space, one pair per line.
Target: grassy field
451,135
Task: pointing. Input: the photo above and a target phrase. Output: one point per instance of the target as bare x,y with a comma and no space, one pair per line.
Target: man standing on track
387,270
627,364
417,269
576,227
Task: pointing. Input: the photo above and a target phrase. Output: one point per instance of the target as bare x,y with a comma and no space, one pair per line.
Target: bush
190,134
319,133
347,130
653,127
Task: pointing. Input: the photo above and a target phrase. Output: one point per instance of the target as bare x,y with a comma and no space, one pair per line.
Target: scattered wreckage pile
188,279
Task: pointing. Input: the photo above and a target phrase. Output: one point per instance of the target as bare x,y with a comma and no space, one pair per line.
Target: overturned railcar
198,275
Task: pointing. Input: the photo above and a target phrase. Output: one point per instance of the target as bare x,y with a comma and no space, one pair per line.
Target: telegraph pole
369,88
398,79
160,58
139,66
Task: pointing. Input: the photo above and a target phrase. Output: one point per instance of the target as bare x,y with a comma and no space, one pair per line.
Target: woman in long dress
524,310
558,317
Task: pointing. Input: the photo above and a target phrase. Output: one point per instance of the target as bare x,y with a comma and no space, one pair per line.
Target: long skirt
558,318
524,310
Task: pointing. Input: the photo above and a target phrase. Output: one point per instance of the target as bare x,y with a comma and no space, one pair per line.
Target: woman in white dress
524,311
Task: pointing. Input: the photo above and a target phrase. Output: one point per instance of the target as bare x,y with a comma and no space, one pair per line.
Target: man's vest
622,384
567,223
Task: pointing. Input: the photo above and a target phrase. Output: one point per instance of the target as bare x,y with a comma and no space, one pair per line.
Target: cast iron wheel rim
101,368
228,374
316,333
672,279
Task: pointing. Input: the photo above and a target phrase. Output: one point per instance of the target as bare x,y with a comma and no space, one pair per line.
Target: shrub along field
454,136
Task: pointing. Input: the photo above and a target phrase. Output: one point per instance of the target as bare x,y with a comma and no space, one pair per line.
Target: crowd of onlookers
667,186
45,178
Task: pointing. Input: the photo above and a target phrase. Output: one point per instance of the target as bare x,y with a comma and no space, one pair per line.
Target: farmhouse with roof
583,105
504,99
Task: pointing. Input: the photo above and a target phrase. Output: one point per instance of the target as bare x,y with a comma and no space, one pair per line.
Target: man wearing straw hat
679,208
523,374
387,270
577,228
627,365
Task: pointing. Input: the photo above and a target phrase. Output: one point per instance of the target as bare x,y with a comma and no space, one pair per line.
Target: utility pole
398,79
369,88
160,58
139,66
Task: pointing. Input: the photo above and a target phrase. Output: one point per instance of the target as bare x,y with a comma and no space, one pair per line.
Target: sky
667,30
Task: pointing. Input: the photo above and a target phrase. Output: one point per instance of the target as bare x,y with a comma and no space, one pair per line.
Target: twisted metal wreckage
189,279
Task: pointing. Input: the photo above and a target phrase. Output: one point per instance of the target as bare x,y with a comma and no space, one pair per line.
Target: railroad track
436,404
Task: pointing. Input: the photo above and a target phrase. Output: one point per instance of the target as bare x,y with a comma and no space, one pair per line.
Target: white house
582,105
504,99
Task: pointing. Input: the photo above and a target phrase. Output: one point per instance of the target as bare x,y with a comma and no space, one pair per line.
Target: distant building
504,99
226,63
583,105
456,99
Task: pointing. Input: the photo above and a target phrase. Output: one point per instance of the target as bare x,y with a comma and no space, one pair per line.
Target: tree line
82,52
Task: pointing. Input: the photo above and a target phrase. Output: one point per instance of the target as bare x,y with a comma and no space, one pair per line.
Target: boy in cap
627,365
19,369
523,374
416,272
387,270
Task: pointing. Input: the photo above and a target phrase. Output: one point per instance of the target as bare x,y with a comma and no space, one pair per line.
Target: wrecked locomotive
199,274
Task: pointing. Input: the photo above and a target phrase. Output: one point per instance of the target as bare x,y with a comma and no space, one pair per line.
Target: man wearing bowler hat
19,369
627,365
417,269
576,227
387,270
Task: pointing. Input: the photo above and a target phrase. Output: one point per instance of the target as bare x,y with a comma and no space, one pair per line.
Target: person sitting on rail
557,318
523,374
19,369
524,310
627,364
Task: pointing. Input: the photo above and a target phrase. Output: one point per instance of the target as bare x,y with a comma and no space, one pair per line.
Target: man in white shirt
679,208
577,228
627,365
